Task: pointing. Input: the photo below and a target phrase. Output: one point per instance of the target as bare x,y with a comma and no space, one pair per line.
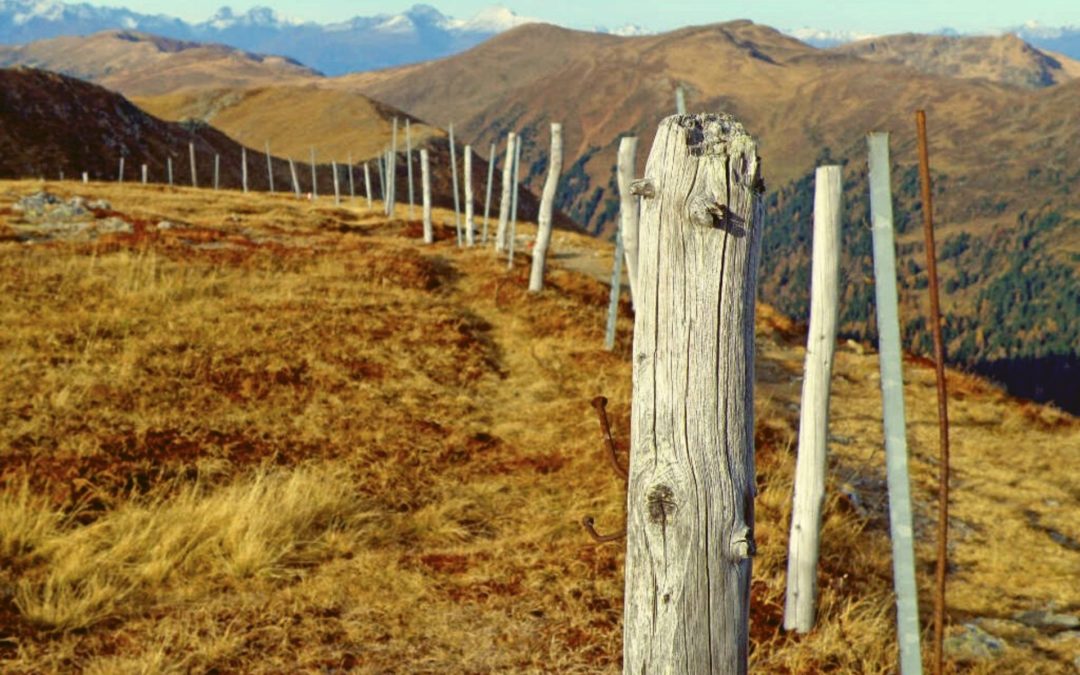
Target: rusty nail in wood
605,427
590,527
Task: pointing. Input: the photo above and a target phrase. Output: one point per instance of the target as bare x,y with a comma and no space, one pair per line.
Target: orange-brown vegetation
281,436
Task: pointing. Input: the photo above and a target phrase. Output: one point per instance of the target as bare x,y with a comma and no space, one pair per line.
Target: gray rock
974,644
1044,618
167,225
100,204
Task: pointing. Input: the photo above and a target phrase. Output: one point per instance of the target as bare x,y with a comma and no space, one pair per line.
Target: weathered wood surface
453,176
892,392
616,291
680,100
470,226
391,163
194,174
145,174
269,167
243,168
168,169
690,498
408,163
295,179
120,176
85,177
425,180
505,198
352,182
547,206
337,185
217,171
629,208
367,185
809,494
314,178
511,230
487,197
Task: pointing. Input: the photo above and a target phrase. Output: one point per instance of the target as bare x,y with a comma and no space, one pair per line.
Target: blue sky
877,16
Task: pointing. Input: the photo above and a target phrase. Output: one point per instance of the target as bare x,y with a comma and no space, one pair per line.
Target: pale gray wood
629,209
367,185
120,176
269,167
470,226
337,187
487,197
382,179
892,393
295,179
505,198
85,177
352,184
314,177
804,542
547,207
680,100
408,163
217,170
243,168
453,175
690,496
511,231
616,291
194,174
392,165
425,182
145,174
168,166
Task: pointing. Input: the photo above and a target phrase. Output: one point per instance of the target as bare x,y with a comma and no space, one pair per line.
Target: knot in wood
742,544
661,505
710,133
643,187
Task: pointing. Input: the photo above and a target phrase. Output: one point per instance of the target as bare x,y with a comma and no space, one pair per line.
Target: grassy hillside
279,436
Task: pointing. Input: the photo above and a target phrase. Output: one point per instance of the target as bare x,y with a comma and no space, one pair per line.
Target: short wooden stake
425,182
168,167
145,174
352,185
295,179
487,197
408,163
337,188
892,391
120,177
680,100
511,232
243,168
690,495
629,209
85,177
470,226
367,185
391,163
194,174
547,207
217,170
453,175
314,177
269,168
505,198
809,494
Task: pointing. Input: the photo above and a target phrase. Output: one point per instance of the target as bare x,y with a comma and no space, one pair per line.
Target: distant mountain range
362,43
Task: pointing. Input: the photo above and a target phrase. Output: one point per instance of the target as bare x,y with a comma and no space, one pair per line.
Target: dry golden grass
287,437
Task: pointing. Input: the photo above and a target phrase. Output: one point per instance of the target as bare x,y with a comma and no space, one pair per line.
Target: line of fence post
425,183
505,197
690,494
809,493
892,391
547,207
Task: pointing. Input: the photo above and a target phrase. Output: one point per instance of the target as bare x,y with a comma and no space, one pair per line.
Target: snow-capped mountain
360,43
827,38
1062,39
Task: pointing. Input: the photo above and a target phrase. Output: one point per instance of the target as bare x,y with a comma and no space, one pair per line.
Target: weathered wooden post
367,185
408,163
352,184
505,198
511,230
425,184
616,291
168,167
217,171
470,226
382,179
191,155
145,174
680,100
487,197
892,391
547,206
314,176
295,180
690,497
243,168
337,187
391,163
629,209
85,177
453,175
120,176
809,493
269,168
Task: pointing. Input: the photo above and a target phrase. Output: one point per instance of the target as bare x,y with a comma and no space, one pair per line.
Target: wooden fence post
487,197
168,167
505,198
408,163
680,100
314,177
85,177
470,226
892,392
120,176
295,180
511,229
425,182
809,493
145,174
243,168
690,498
194,173
547,205
352,184
269,168
367,185
391,163
217,170
616,291
453,175
337,187
629,209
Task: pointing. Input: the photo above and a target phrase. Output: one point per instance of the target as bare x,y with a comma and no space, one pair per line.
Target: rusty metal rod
590,527
601,412
943,408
